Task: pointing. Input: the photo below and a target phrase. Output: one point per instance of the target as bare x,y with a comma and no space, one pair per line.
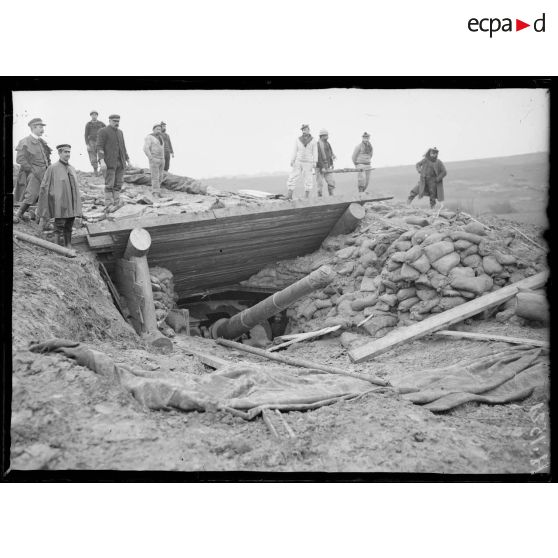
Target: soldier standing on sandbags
91,132
168,145
362,157
113,158
154,148
325,163
432,172
33,156
303,162
59,196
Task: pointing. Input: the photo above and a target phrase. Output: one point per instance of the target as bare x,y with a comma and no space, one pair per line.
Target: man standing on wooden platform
325,163
431,182
168,145
91,132
303,162
113,158
154,148
59,196
362,157
33,156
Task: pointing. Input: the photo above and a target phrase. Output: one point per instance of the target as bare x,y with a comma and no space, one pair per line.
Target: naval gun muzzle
232,328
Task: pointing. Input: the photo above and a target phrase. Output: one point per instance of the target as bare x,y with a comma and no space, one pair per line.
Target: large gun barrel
231,328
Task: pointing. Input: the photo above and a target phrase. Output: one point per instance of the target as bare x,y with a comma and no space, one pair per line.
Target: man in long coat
362,157
325,163
431,182
59,196
33,156
113,157
91,132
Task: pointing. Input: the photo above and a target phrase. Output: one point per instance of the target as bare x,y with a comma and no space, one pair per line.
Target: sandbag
177,320
361,303
389,299
474,261
504,259
477,285
402,245
404,294
421,264
491,265
433,239
532,306
449,302
437,280
369,258
408,273
461,272
424,306
445,264
408,303
475,228
462,244
473,249
463,235
379,322
400,257
412,254
420,235
418,221
426,294
438,250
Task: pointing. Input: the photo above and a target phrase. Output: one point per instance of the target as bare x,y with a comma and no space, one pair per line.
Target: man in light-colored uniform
303,162
154,148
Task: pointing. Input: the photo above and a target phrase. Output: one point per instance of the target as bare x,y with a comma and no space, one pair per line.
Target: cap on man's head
324,132
63,145
156,126
434,150
35,121
163,123
114,117
304,126
93,112
366,135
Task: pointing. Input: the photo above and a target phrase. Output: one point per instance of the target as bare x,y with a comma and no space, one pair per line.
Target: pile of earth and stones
402,265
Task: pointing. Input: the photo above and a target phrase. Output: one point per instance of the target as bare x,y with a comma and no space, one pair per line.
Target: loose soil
64,416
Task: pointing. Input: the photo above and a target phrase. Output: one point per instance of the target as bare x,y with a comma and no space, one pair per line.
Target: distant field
513,187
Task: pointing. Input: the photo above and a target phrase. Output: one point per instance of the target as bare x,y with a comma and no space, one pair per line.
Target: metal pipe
231,328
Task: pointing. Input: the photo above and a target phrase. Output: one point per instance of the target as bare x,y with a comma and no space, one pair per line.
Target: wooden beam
210,360
69,253
440,321
300,362
303,337
490,337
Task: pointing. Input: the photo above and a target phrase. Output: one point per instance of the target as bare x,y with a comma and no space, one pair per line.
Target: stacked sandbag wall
164,297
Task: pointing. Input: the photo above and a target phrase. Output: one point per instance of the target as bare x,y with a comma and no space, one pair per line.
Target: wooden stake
490,337
285,424
529,239
268,423
304,336
299,362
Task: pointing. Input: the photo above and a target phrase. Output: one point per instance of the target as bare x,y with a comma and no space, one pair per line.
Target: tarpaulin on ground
500,377
243,388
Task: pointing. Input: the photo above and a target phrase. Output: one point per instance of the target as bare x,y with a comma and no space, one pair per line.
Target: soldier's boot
59,237
319,193
20,212
95,171
289,195
330,190
68,239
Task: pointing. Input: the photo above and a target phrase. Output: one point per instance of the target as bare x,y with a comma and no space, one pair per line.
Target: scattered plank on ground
528,238
45,244
300,362
209,360
440,321
304,336
490,337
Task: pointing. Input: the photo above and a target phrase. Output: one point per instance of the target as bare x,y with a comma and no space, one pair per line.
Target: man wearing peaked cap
431,182
59,197
113,158
33,156
325,163
362,157
303,162
91,132
168,145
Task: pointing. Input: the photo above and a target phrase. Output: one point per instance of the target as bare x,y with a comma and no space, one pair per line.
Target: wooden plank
207,359
303,337
101,241
490,337
440,321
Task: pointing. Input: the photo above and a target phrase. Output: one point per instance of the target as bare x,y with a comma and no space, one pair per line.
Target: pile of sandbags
142,177
401,275
164,297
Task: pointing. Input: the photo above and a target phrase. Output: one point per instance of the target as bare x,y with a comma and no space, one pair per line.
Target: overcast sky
216,133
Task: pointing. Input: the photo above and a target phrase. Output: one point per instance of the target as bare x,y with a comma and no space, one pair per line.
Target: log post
135,284
349,220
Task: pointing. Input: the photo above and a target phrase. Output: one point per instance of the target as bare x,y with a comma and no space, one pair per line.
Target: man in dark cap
304,159
113,158
431,182
33,156
325,163
59,197
91,131
168,145
362,157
